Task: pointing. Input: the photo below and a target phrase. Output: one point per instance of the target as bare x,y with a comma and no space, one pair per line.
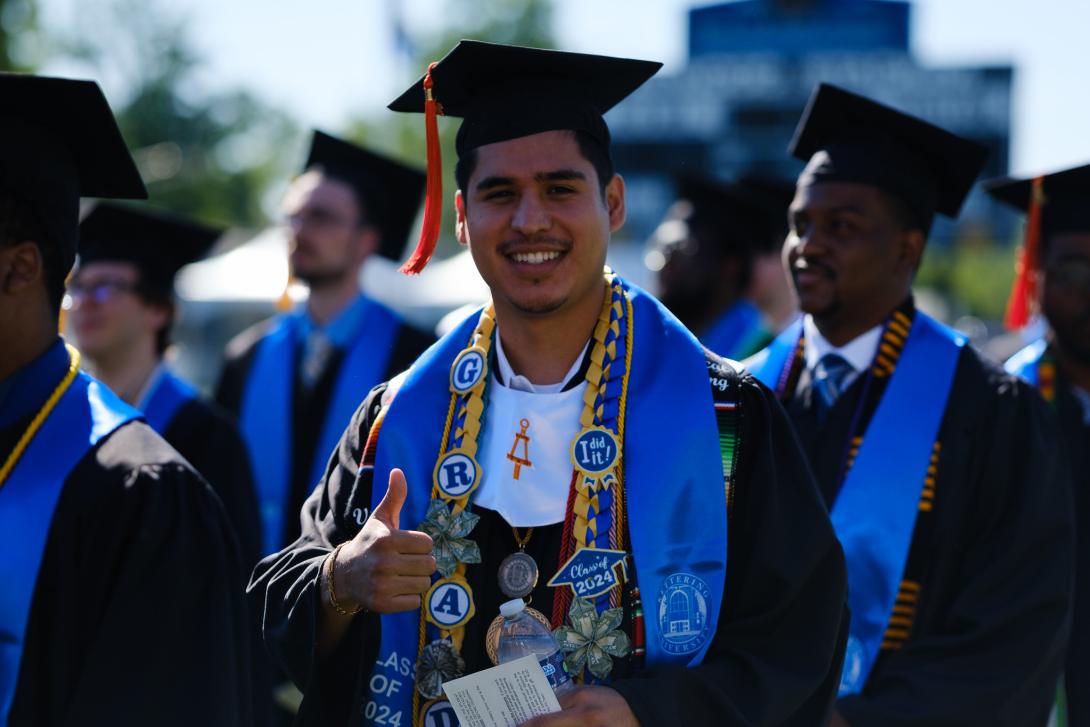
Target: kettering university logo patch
683,613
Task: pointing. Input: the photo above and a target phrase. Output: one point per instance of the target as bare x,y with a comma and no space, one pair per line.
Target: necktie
316,355
830,376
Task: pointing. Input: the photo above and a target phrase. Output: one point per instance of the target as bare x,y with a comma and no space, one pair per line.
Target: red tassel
433,201
1024,290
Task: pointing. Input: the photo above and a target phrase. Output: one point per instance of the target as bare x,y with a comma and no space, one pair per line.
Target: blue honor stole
674,493
736,332
1025,362
167,396
875,513
86,413
265,419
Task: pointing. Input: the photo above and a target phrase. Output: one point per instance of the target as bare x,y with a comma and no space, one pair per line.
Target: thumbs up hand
385,569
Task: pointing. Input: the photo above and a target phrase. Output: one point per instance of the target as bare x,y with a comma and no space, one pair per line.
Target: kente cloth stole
875,512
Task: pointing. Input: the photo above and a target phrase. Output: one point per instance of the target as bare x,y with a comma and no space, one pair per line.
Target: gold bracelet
332,592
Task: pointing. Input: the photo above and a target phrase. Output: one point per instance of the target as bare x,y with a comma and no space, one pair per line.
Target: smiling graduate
571,444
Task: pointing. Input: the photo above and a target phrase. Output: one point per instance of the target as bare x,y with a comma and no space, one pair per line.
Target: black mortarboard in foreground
751,212
505,92
389,191
156,242
59,142
844,137
1065,204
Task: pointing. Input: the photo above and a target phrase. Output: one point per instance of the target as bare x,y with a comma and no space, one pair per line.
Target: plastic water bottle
522,634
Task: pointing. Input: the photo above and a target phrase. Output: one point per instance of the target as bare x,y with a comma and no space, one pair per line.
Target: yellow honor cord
43,414
464,420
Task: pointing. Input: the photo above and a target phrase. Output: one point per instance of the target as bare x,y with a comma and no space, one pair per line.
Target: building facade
752,66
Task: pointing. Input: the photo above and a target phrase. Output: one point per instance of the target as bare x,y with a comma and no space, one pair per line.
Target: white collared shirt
539,496
859,352
518,382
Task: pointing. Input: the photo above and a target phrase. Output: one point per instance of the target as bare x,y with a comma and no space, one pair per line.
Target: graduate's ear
367,241
912,245
21,267
461,228
615,205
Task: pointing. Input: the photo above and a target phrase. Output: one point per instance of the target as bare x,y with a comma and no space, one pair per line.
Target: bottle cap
512,608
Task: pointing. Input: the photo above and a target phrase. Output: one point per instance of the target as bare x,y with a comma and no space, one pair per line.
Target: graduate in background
120,573
1054,275
944,485
295,380
122,312
493,469
705,252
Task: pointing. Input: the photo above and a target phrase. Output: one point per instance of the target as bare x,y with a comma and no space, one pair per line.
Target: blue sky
328,60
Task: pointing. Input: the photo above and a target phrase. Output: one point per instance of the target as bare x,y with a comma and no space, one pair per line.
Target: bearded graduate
1054,277
120,598
940,470
294,380
571,426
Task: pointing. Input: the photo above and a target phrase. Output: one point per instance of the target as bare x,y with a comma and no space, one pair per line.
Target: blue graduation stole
86,413
875,513
771,364
734,333
169,394
266,412
674,485
1024,363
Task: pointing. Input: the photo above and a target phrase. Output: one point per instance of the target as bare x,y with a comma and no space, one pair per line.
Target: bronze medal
517,575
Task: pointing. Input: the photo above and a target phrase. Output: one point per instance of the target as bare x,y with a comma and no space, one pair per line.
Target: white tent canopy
257,271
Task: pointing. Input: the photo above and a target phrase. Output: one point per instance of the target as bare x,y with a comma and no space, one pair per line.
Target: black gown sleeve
136,617
994,653
778,647
287,585
209,440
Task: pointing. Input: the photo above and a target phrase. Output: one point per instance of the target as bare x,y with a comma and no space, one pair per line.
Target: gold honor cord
43,414
464,420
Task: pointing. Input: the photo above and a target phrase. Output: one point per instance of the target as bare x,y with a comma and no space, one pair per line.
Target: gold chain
39,418
522,540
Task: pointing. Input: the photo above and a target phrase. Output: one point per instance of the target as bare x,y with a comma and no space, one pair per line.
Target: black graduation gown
775,657
993,558
1076,436
205,435
136,617
308,407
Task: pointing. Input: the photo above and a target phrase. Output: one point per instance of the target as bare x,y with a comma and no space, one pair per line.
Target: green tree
210,155
515,22
19,36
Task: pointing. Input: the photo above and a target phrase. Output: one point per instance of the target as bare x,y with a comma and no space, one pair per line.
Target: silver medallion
517,575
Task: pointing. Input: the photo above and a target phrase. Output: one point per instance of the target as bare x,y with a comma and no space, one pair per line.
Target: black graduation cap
752,210
505,92
1065,201
59,142
844,137
156,242
389,191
